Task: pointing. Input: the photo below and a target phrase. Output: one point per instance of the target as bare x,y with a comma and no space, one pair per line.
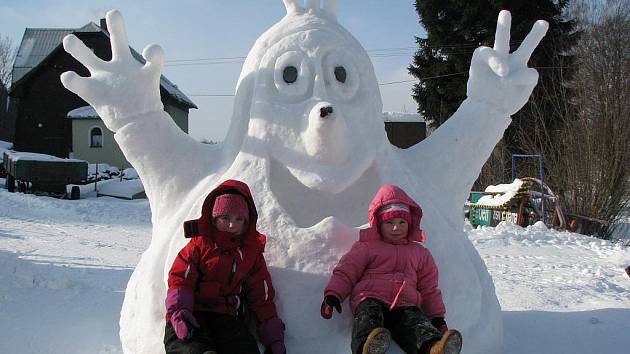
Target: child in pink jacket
392,282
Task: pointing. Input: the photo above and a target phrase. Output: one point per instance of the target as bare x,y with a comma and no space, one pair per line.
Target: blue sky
195,29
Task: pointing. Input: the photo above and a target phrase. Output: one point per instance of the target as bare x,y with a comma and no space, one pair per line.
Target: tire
10,183
75,193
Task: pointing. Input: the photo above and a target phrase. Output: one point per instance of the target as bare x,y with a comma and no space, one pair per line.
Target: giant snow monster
307,136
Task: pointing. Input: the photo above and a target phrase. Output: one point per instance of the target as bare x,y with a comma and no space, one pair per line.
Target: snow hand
500,79
121,88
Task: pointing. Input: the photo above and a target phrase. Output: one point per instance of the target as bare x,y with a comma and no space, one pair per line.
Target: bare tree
7,55
596,145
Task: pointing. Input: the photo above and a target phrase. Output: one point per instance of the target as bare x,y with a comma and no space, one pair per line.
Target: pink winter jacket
402,274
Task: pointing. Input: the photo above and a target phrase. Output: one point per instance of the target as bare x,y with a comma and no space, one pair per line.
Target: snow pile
125,188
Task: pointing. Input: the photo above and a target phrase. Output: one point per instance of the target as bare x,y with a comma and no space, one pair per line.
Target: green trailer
521,203
42,173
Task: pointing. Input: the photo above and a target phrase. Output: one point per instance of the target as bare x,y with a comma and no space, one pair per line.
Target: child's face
394,229
230,223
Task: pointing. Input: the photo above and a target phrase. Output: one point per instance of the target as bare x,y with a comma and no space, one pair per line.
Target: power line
387,83
378,53
380,84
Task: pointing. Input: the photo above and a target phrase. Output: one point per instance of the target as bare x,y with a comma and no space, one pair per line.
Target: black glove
439,323
330,302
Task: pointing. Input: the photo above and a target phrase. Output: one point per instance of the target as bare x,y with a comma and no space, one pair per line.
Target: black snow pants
221,333
409,326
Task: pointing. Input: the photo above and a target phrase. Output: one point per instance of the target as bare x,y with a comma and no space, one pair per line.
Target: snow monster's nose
325,111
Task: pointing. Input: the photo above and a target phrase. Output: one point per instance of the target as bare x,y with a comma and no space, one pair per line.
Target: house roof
38,43
85,112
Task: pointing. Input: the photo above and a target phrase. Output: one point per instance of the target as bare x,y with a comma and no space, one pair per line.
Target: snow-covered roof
4,146
38,43
402,117
85,112
502,193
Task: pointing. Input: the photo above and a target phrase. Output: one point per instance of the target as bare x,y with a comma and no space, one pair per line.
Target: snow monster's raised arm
500,84
126,95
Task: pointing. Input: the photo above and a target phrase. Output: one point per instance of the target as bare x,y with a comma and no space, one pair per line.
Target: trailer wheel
21,187
10,183
75,193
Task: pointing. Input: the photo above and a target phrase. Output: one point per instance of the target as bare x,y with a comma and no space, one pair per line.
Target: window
96,137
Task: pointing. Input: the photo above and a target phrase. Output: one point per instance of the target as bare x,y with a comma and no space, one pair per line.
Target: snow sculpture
308,137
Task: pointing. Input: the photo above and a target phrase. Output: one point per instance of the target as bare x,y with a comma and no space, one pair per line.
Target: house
92,141
41,105
4,115
404,129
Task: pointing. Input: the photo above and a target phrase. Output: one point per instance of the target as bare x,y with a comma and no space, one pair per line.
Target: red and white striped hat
392,211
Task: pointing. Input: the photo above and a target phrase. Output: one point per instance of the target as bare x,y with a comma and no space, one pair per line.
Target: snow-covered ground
64,265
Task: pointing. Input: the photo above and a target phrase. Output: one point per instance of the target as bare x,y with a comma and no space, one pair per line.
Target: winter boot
451,343
377,341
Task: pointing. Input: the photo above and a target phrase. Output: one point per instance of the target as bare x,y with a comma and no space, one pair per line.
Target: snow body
311,176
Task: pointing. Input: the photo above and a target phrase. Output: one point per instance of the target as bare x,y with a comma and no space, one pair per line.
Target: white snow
83,112
33,156
504,193
4,146
64,265
127,189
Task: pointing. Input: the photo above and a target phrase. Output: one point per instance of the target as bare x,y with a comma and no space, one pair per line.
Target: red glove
271,335
183,323
330,302
179,306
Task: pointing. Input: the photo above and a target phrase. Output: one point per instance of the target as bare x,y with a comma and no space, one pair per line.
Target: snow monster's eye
290,74
340,74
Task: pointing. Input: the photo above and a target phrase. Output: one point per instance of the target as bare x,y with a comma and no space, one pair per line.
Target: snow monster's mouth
308,206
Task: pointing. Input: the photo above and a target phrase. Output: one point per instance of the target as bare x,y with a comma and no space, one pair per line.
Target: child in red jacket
220,273
392,282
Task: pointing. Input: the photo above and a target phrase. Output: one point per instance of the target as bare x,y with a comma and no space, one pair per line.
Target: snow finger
292,6
525,50
78,50
154,56
488,56
502,35
525,77
120,43
82,86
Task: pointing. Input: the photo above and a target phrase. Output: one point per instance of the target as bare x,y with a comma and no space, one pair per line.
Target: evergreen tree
455,28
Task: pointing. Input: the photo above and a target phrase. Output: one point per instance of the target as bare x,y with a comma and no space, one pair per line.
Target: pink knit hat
230,204
392,211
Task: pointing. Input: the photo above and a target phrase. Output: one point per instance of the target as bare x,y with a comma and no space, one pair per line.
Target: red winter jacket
222,270
398,274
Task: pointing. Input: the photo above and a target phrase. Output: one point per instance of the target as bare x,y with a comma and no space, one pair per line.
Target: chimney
104,25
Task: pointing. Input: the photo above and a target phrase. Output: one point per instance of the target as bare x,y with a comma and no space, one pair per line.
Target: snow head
309,96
